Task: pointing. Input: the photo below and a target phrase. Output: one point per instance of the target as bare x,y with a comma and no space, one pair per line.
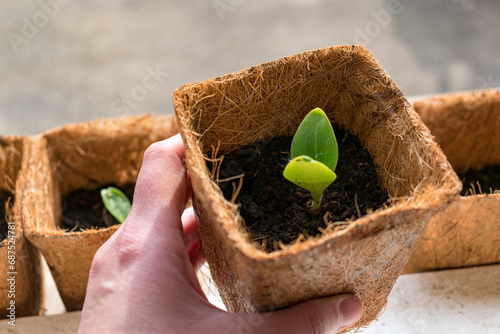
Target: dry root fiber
26,264
467,126
86,155
271,100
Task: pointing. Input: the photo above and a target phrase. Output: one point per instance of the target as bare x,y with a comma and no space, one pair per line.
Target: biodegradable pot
271,100
81,156
467,126
27,259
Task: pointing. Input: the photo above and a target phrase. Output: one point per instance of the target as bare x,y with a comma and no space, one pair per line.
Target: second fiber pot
86,157
467,126
219,115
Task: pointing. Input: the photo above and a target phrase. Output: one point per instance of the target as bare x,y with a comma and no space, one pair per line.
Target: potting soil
83,209
485,180
276,210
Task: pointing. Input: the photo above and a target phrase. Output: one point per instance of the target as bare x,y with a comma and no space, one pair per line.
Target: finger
196,255
191,233
192,239
188,194
324,315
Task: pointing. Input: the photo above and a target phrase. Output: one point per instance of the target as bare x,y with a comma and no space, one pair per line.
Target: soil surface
83,209
4,196
488,179
276,210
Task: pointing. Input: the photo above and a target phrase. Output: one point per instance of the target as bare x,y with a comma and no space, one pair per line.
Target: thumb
160,193
324,315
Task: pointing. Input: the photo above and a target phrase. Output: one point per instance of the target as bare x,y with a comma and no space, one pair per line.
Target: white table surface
450,301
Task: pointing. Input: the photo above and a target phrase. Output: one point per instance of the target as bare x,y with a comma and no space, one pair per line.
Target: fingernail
351,309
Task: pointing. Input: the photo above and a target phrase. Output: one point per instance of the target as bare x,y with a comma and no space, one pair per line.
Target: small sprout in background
314,154
116,202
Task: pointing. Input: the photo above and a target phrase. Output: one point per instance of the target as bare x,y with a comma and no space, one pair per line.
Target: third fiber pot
467,126
366,251
20,274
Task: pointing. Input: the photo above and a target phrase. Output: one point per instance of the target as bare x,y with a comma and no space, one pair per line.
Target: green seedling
314,154
116,202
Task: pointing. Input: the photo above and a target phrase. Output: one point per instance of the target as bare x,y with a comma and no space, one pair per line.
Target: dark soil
276,210
83,209
488,179
4,197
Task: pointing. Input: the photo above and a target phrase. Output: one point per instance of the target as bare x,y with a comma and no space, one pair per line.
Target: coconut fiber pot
271,100
467,126
20,277
81,156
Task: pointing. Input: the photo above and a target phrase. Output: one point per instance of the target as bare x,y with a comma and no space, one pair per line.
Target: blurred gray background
66,61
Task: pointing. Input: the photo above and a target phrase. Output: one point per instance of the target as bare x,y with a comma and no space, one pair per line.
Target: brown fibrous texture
271,99
80,156
26,262
467,127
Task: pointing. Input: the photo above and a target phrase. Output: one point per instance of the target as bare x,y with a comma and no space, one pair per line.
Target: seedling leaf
315,138
116,202
314,153
311,175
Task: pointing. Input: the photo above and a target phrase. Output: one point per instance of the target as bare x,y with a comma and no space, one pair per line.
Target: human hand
143,279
